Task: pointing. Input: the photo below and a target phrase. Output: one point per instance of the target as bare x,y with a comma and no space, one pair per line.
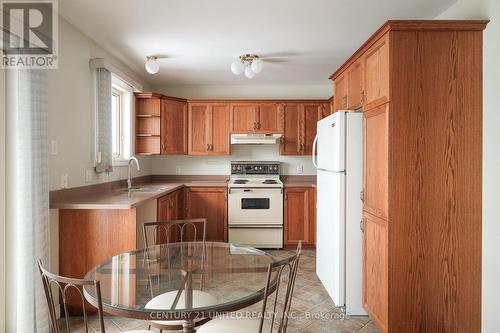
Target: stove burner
240,181
269,181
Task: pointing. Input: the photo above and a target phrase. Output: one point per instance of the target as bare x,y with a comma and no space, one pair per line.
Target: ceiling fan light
249,73
237,67
151,65
257,65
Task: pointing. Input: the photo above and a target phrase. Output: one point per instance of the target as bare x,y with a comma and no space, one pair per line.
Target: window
121,108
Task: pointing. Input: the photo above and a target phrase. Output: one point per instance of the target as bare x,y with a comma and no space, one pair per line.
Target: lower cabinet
375,269
300,216
209,203
170,207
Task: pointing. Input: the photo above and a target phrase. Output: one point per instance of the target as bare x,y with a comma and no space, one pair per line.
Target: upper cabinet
254,117
355,93
340,90
244,117
376,73
147,123
173,127
160,125
208,129
298,125
268,120
290,127
325,109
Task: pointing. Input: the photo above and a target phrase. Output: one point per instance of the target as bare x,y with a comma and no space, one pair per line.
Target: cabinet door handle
362,225
362,196
208,146
162,146
258,125
362,97
211,147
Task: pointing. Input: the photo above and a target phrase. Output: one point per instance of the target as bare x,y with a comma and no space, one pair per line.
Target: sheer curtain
104,131
27,207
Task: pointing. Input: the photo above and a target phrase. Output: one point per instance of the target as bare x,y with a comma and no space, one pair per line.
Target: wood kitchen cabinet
290,127
340,90
355,87
326,109
208,129
173,126
244,117
375,269
160,124
300,216
170,207
298,125
376,73
209,203
375,161
147,123
254,117
422,173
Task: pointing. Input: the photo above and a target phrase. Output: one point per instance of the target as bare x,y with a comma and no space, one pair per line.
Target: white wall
488,9
248,92
219,165
71,109
71,115
190,165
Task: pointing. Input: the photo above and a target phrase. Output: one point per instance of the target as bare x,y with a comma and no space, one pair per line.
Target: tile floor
312,309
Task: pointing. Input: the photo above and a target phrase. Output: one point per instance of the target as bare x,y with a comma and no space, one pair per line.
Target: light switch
300,169
64,180
54,150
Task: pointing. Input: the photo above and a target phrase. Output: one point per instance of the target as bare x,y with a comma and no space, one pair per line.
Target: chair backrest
64,286
193,227
277,270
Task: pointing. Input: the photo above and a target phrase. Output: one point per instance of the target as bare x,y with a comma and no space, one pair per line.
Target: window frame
125,91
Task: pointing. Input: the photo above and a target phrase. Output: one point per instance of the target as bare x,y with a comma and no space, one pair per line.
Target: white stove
255,174
255,204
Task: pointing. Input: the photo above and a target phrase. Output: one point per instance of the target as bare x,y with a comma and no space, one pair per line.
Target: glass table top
190,278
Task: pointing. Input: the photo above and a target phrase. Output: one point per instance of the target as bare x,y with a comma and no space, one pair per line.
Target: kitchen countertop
113,195
299,181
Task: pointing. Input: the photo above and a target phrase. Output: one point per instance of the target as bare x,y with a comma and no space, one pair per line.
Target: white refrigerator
338,158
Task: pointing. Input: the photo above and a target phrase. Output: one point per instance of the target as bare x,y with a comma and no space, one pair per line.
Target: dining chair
261,324
64,285
188,230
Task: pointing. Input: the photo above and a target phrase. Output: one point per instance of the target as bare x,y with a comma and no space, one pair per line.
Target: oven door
255,206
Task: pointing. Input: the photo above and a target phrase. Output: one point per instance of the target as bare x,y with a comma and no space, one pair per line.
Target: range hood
255,139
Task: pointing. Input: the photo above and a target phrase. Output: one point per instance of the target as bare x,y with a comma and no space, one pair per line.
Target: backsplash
219,165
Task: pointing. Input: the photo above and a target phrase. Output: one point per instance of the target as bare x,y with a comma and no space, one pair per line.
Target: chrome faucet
129,179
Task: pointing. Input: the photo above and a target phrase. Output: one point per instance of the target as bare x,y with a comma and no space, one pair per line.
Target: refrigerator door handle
314,157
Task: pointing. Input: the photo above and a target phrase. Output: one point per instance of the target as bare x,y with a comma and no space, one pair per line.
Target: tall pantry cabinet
421,94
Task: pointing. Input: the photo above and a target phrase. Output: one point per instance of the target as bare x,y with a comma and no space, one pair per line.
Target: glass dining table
230,276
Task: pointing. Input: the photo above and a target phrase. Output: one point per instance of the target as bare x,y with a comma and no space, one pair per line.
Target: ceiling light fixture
152,65
250,64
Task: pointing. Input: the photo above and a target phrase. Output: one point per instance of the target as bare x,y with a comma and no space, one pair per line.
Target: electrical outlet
89,176
177,169
300,169
54,150
64,180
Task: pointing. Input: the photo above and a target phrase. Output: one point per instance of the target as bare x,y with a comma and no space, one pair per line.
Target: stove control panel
255,168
